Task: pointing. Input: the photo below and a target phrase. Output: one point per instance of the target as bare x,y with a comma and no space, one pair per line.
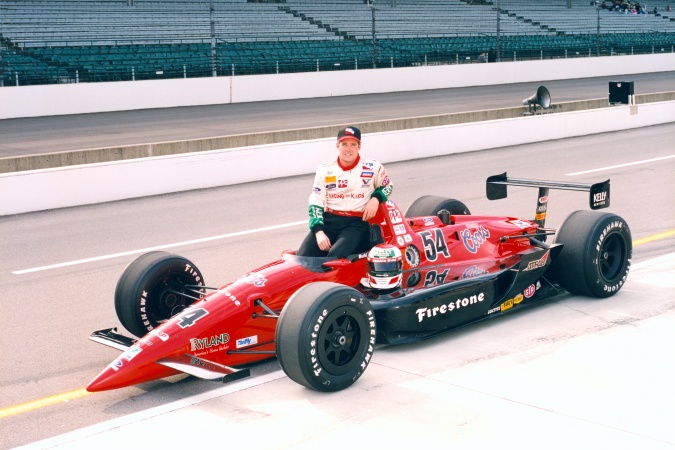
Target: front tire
151,288
596,254
325,336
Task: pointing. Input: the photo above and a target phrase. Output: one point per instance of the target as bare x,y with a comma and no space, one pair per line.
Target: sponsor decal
316,190
400,241
198,362
541,209
494,310
386,181
131,352
116,365
540,216
517,299
599,198
366,182
472,241
330,179
232,297
530,291
543,199
256,279
367,166
428,221
247,341
208,342
342,184
538,264
427,313
473,271
506,305
395,216
160,334
390,204
399,229
407,238
343,195
331,187
520,223
367,174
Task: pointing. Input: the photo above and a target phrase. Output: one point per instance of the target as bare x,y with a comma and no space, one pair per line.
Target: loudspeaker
542,98
620,92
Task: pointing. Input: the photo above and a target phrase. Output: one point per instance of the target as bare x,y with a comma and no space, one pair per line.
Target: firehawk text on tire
325,336
151,289
430,205
596,255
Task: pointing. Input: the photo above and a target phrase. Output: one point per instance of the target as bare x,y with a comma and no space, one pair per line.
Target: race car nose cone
106,380
116,375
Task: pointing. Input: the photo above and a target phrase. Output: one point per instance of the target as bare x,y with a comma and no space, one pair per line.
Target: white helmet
385,266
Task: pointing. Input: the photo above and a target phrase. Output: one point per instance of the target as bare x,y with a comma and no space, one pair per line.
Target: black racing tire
596,254
325,336
145,295
430,205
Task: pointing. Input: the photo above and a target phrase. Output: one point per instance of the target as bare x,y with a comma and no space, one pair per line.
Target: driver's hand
371,209
323,241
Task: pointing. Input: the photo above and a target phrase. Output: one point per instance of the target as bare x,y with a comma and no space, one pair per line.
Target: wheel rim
165,299
339,340
612,257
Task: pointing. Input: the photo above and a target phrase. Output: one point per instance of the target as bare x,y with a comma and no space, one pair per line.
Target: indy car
424,272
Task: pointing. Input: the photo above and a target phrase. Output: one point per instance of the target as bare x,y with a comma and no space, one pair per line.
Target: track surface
76,132
47,314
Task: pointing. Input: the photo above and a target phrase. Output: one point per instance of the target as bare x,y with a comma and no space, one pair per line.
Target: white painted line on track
153,412
159,247
601,169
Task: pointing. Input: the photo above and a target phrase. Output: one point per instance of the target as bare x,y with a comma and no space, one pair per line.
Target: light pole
371,5
213,38
597,31
498,39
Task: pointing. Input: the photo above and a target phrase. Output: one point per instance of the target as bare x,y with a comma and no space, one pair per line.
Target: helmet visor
385,268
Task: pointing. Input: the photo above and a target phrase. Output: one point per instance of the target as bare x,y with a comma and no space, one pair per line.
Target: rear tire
149,290
595,258
325,336
430,205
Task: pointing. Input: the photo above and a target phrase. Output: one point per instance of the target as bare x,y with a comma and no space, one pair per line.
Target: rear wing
495,189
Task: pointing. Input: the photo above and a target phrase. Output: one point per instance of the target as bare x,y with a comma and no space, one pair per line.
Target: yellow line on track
78,393
43,402
654,237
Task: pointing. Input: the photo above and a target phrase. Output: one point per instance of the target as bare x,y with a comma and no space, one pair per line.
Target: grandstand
66,41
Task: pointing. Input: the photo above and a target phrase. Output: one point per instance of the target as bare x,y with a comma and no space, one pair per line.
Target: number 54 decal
434,243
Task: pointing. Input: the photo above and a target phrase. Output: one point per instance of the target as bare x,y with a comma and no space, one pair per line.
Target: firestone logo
427,313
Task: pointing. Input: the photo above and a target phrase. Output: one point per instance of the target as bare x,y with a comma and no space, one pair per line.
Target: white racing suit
336,204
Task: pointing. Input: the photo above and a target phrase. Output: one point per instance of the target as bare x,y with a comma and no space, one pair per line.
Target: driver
346,194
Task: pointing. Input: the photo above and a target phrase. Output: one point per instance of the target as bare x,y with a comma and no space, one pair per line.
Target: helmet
385,266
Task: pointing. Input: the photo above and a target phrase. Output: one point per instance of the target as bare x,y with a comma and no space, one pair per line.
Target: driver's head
385,266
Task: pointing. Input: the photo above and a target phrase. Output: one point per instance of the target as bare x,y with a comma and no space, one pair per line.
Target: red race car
422,273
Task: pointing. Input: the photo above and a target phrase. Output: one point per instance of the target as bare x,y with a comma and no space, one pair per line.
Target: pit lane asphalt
31,136
57,309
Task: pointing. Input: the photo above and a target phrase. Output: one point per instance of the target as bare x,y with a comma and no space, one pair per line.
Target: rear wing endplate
495,189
